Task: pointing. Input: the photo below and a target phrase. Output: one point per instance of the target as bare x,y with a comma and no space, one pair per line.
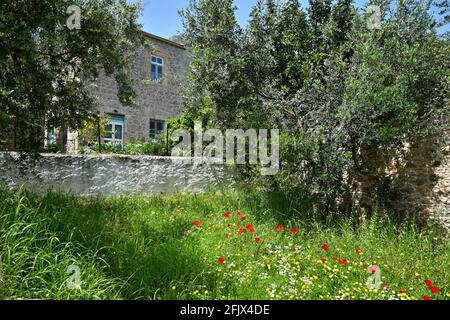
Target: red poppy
402,291
334,258
197,223
324,247
343,261
238,213
226,215
426,298
373,270
241,230
324,260
244,218
428,283
257,240
294,231
434,289
358,251
221,260
280,228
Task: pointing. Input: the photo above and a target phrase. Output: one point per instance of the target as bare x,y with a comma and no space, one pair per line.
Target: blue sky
161,16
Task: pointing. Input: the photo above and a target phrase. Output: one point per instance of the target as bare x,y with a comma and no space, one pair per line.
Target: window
51,135
157,68
156,126
115,128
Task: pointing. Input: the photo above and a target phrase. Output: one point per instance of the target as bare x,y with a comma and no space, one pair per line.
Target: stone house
158,74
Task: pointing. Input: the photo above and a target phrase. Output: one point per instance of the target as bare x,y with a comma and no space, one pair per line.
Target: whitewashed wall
109,174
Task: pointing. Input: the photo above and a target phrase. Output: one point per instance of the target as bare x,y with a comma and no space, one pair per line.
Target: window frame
158,77
156,131
114,122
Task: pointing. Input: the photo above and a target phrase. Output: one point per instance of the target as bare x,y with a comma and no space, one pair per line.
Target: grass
147,247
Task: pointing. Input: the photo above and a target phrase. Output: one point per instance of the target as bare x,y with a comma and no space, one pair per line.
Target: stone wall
109,174
416,180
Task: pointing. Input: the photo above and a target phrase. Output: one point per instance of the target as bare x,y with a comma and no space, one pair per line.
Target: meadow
226,244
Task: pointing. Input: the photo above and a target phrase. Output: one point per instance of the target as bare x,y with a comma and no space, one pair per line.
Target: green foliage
152,147
147,247
92,128
46,67
340,89
55,148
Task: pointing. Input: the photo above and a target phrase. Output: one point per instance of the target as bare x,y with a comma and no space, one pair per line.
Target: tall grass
146,247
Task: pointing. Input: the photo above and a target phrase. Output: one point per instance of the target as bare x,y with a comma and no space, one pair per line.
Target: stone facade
418,180
159,100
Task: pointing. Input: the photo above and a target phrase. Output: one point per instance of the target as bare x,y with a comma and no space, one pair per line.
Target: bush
152,147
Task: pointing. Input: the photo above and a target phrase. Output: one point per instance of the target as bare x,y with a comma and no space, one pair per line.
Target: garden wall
109,174
418,179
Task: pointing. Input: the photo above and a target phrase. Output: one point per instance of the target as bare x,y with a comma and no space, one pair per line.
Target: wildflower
244,218
197,223
324,260
294,231
402,291
426,298
358,251
325,247
334,258
238,213
433,289
373,270
428,283
221,260
226,215
249,226
241,230
343,261
257,240
280,228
